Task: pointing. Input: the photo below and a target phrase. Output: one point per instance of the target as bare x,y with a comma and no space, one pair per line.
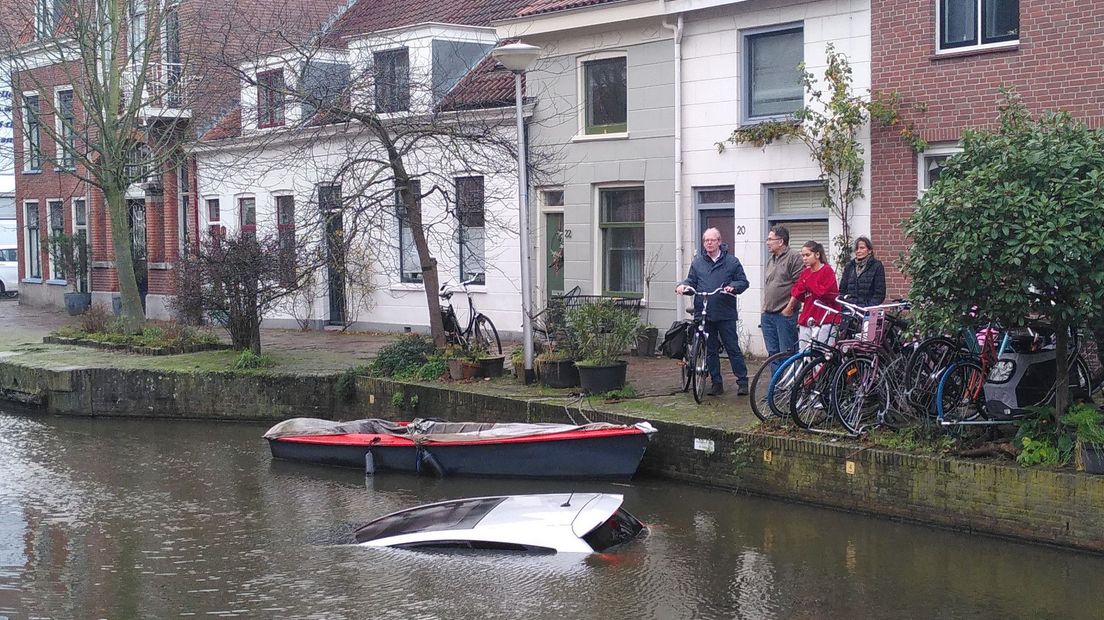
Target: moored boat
597,450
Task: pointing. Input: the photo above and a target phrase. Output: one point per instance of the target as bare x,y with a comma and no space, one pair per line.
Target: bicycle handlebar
868,309
691,291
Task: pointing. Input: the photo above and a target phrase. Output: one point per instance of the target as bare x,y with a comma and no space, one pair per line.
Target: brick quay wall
1052,507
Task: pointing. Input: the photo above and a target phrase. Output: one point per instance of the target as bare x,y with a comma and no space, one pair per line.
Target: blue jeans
779,332
724,332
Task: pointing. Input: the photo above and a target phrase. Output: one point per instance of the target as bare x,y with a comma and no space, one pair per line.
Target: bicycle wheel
859,394
900,413
925,366
698,370
760,386
782,381
810,397
485,336
687,366
960,396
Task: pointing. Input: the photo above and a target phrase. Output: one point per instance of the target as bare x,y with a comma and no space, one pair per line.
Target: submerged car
9,270
551,523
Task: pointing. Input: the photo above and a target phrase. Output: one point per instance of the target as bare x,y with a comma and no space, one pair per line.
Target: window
773,82
136,34
324,85
66,156
32,134
184,203
931,164
31,241
977,23
285,229
716,208
137,167
605,88
621,222
57,228
410,269
212,209
247,211
47,16
174,68
800,208
270,98
470,212
392,80
452,60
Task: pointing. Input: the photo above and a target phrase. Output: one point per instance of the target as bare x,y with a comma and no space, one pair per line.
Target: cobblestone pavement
656,380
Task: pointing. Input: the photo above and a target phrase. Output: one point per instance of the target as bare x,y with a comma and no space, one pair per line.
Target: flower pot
558,373
492,366
77,303
602,379
462,369
1090,457
646,342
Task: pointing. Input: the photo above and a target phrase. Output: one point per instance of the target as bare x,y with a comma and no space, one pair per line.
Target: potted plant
490,364
604,332
69,255
1088,424
646,338
461,364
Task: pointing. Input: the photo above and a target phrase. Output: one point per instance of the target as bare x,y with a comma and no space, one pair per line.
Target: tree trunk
1062,370
428,264
133,314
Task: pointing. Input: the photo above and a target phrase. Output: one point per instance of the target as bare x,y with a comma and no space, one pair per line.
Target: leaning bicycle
479,333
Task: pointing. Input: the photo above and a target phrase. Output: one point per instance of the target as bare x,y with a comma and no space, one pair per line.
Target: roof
374,15
487,85
551,6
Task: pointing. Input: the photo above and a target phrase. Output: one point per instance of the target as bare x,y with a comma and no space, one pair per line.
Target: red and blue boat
520,450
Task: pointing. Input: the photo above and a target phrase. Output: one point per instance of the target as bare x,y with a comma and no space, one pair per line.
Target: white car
9,270
562,522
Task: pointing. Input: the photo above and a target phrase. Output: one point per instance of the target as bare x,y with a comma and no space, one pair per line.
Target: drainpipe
679,249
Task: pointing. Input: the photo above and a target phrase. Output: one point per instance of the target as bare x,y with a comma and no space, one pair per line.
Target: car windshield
457,515
620,528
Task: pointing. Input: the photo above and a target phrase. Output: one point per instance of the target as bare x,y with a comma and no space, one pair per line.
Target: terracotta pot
462,369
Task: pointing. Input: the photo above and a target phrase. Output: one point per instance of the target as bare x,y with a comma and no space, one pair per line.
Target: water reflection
113,518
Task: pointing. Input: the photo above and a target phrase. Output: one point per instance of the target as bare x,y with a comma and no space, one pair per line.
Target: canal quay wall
1059,508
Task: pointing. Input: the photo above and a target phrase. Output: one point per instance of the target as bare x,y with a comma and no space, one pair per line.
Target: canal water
161,519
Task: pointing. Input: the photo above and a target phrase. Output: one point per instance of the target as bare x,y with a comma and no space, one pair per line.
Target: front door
335,260
721,219
138,249
554,254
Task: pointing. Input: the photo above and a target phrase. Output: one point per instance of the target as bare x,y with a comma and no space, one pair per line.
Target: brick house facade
1054,61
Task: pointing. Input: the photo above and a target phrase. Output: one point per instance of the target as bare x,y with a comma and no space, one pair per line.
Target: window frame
285,235
771,218
979,42
136,14
943,151
609,130
32,252
480,277
398,98
247,229
208,203
66,131
80,231
747,37
271,102
601,266
413,276
32,131
55,216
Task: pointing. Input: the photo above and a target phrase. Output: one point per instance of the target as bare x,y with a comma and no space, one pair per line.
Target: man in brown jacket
783,267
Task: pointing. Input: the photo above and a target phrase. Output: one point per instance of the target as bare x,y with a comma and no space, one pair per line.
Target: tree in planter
603,331
69,255
1019,211
829,128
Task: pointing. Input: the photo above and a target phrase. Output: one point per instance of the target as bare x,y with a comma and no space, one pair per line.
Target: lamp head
516,57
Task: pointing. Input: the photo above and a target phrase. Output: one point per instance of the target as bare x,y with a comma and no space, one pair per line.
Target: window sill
407,286
31,280
26,172
759,120
961,52
598,137
57,283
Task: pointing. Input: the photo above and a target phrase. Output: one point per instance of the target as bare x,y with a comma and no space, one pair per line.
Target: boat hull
614,453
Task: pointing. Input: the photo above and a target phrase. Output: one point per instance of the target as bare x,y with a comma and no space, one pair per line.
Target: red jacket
816,285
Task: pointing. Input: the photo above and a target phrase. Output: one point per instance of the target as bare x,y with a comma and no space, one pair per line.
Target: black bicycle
695,370
480,332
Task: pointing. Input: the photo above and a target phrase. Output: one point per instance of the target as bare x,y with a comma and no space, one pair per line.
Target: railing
166,89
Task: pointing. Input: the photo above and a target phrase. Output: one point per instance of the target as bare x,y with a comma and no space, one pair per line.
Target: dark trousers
724,332
779,333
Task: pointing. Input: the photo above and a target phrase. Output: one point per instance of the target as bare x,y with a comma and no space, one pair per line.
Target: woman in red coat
817,282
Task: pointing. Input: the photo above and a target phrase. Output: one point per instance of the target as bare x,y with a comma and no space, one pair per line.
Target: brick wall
1058,63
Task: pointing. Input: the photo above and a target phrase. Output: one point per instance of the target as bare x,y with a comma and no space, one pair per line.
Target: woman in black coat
863,281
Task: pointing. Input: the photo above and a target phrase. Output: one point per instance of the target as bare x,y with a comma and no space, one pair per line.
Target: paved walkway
655,379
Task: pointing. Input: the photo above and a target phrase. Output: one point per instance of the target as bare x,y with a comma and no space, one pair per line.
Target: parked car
9,270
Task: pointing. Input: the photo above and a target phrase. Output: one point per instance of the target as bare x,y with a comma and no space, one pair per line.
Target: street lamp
517,57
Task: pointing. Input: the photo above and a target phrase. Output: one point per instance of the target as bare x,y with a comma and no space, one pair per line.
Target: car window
457,515
8,254
619,528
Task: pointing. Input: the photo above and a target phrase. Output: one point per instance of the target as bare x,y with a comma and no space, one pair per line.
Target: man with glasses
783,268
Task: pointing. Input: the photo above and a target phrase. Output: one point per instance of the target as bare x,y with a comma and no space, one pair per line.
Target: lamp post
517,57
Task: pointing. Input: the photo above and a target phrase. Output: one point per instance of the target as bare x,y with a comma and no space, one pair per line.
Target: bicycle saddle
446,295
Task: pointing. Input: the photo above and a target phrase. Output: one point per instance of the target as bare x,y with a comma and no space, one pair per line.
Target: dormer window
270,98
323,86
452,60
392,80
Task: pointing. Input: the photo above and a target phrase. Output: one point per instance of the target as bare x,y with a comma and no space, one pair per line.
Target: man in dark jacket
715,268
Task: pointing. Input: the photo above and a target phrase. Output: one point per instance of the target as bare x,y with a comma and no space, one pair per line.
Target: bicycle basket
874,325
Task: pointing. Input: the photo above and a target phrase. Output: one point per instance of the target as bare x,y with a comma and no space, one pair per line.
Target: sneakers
716,390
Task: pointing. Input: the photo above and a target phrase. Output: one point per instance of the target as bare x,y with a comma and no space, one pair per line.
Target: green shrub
397,400
432,370
604,331
96,319
248,360
345,388
1041,441
404,356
